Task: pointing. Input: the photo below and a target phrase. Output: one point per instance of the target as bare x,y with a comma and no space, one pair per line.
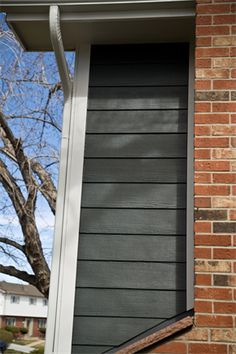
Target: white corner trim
64,266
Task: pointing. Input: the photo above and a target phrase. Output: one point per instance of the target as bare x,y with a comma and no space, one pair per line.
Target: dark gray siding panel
152,121
109,331
130,221
132,247
135,170
129,303
128,195
133,275
138,145
89,349
137,98
139,75
146,54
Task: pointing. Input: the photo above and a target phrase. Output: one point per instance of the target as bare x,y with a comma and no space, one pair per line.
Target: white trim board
61,300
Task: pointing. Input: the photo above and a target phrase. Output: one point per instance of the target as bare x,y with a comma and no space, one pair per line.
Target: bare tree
30,125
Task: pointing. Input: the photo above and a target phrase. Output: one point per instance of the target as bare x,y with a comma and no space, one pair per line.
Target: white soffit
101,21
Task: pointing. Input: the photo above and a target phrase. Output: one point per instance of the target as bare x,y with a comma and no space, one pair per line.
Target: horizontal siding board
129,303
136,53
135,170
138,145
89,349
108,331
131,221
132,248
139,75
154,121
114,98
115,195
131,275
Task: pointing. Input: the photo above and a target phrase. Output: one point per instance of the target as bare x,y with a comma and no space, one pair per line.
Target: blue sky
25,82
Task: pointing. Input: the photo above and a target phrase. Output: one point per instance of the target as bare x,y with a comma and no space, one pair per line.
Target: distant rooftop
19,289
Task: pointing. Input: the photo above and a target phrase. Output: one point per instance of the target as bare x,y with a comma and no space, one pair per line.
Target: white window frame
64,265
32,301
12,321
15,299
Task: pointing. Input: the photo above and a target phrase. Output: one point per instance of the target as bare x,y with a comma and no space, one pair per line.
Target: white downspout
58,246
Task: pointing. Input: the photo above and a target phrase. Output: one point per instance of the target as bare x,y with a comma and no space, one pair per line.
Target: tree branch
12,243
47,187
12,271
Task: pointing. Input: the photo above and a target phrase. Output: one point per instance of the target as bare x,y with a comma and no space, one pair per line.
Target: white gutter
58,246
57,44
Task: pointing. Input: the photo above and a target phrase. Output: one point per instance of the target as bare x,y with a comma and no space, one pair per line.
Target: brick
195,334
224,107
224,227
203,42
202,177
212,96
229,202
224,84
211,142
224,280
204,20
213,240
212,266
202,202
203,306
203,63
212,166
233,118
233,29
202,253
202,130
214,321
233,142
233,95
233,73
202,154
202,226
223,335
212,73
171,348
223,41
224,178
212,118
212,52
233,165
225,253
202,107
224,19
213,293
232,51
232,214
202,84
232,349
200,348
224,307
224,129
224,154
210,215
224,63
212,30
203,279
213,9
211,190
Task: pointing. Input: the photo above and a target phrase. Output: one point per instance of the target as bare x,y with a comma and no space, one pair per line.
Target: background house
22,306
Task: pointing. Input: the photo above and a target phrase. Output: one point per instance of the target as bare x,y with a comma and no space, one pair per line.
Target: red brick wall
214,330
